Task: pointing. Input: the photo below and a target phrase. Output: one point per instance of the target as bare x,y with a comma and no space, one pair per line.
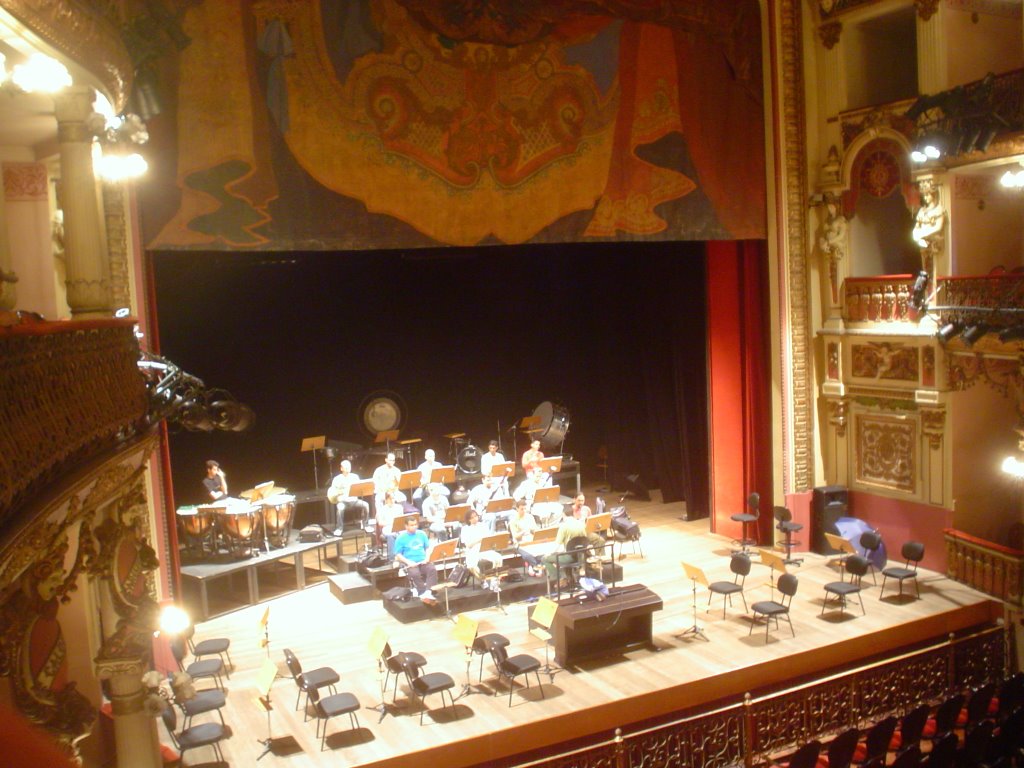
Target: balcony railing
882,299
983,565
68,391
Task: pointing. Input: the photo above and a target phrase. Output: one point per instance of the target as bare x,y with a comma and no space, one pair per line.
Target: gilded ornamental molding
80,30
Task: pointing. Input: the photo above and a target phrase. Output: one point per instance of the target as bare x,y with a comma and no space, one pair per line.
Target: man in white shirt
547,513
339,495
489,459
426,468
385,478
488,490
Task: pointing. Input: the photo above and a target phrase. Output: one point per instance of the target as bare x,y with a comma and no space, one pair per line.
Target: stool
788,528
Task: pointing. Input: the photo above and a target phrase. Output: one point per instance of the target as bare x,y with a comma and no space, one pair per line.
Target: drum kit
262,518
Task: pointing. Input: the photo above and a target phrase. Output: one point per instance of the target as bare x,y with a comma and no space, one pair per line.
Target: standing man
411,551
385,479
215,482
339,495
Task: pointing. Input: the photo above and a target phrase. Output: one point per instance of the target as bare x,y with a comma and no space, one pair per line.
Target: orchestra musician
547,513
385,478
387,511
521,527
489,459
434,508
532,458
426,467
215,482
580,508
338,494
472,533
570,528
488,490
410,549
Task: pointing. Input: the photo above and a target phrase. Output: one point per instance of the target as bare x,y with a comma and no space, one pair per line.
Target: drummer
339,495
532,459
215,482
426,468
489,459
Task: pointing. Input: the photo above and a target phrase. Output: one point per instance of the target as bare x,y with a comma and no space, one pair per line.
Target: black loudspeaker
828,504
636,488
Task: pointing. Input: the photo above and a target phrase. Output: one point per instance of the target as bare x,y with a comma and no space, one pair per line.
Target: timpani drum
278,512
197,524
239,523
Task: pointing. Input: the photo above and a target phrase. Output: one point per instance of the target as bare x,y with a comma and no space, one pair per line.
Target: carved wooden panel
886,451
885,360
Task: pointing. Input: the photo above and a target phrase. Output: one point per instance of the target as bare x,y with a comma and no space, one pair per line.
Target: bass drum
553,424
469,460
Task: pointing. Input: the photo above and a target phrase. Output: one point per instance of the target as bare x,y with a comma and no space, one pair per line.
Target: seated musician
434,508
385,478
532,458
569,529
489,459
579,507
338,494
488,490
411,551
387,511
521,527
215,482
472,533
426,467
548,513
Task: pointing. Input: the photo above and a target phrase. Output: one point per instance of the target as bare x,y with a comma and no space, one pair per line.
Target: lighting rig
183,399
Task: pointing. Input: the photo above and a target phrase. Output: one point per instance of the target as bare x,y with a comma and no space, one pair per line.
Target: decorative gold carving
25,182
928,366
885,360
1002,374
117,243
886,451
837,410
985,566
929,224
833,361
876,300
82,33
833,240
892,117
71,389
829,33
933,425
926,8
794,174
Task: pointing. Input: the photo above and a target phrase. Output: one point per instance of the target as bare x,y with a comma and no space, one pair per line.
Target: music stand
845,547
386,437
526,425
551,464
441,551
694,574
408,443
410,479
264,682
456,513
543,615
444,475
398,524
465,634
551,494
775,562
313,444
503,469
361,488
494,506
599,523
378,640
496,542
544,535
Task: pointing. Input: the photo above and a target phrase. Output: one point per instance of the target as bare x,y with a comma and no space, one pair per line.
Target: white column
87,265
135,734
932,69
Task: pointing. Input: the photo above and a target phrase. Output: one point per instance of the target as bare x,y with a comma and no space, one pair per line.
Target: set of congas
236,526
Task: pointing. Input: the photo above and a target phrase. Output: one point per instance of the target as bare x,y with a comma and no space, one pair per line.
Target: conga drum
278,512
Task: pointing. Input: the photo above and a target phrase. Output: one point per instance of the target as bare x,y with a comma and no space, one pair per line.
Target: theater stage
594,698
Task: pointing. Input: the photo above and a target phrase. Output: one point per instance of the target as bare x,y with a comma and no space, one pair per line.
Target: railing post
951,665
748,731
620,750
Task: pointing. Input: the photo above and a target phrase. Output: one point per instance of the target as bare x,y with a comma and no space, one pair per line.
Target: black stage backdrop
470,341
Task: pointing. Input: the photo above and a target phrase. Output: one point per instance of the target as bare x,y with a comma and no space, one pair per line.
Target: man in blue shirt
411,551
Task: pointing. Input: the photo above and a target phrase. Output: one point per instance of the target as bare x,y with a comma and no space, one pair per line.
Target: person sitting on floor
411,551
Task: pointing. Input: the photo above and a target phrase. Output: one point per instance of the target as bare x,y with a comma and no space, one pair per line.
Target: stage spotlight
973,333
947,332
919,107
1014,467
195,418
986,137
1013,333
971,136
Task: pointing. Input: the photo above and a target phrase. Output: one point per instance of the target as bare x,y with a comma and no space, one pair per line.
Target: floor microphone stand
695,630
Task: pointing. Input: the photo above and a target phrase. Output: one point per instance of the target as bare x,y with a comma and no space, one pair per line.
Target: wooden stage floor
596,698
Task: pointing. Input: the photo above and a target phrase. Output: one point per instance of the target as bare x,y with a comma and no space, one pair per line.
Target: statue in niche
929,224
832,242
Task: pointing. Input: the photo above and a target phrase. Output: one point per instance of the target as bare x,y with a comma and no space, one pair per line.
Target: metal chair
209,647
202,735
322,677
739,564
748,518
856,566
482,647
393,665
913,552
200,669
787,527
773,609
331,706
870,541
513,666
422,685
